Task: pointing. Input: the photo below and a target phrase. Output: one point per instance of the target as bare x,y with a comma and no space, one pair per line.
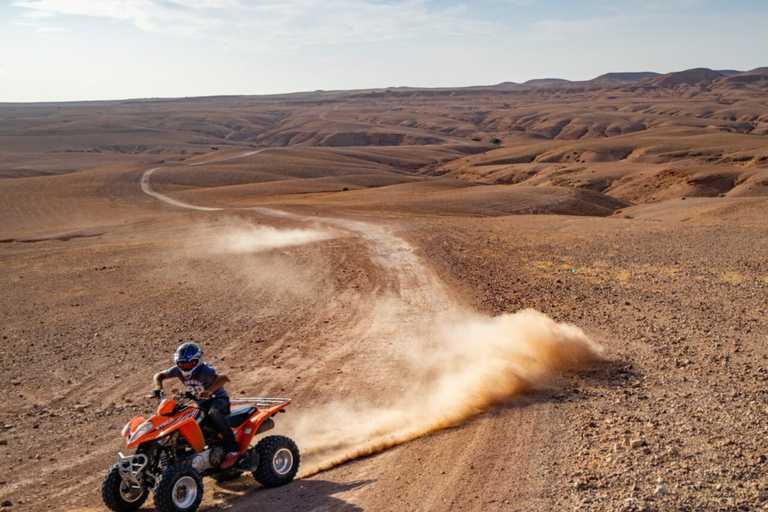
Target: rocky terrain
630,206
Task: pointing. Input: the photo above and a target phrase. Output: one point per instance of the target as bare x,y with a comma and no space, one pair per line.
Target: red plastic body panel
164,425
191,431
268,407
130,428
166,407
185,421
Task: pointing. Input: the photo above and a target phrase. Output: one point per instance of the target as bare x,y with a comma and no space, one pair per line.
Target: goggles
186,365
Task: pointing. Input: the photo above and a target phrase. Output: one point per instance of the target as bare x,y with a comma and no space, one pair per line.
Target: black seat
239,414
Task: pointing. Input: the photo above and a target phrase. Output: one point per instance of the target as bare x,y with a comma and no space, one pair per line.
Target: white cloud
272,25
52,30
8,71
571,30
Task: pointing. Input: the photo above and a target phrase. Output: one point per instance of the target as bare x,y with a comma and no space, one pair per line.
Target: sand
569,318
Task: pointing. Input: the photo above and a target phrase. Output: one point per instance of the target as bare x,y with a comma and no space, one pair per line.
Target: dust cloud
471,365
446,364
239,239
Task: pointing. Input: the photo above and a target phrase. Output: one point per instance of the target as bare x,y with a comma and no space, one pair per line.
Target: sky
74,50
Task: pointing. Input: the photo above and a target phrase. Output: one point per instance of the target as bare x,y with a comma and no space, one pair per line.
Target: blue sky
63,50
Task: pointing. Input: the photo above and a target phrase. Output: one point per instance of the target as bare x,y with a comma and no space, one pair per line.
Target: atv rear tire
180,490
118,495
278,461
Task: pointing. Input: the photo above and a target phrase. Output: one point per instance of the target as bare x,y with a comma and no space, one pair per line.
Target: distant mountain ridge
546,82
617,78
696,77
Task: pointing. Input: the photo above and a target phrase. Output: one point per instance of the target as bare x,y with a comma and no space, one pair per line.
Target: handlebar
158,393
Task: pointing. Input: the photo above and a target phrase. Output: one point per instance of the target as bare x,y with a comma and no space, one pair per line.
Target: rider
201,379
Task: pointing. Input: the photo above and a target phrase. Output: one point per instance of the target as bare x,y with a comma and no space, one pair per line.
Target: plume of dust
247,238
478,362
246,253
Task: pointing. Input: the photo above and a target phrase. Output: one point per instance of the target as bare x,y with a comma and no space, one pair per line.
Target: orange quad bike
176,447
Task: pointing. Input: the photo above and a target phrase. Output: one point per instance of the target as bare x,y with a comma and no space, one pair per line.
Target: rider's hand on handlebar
205,394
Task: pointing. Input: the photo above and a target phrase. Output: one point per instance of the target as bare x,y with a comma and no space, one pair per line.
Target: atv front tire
119,495
278,461
180,490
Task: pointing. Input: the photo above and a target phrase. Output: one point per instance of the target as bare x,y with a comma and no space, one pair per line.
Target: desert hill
613,78
698,76
376,256
546,82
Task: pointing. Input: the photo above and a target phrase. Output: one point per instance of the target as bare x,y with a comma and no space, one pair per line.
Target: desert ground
524,297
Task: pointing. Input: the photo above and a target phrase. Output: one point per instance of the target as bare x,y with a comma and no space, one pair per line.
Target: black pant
217,409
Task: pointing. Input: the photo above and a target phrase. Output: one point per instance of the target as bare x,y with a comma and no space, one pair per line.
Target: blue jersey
200,380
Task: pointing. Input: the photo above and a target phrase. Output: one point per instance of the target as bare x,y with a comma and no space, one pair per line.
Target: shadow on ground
303,495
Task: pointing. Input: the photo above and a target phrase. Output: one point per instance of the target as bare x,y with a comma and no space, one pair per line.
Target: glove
158,393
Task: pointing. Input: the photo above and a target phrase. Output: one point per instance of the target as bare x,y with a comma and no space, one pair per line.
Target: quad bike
176,447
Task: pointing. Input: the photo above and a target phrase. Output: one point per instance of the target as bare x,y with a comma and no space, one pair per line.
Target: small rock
637,443
7,503
661,491
3,442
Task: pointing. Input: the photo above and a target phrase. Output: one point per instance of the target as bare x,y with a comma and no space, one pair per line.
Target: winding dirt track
429,363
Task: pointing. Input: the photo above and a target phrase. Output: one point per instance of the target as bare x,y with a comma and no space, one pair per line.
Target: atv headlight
143,429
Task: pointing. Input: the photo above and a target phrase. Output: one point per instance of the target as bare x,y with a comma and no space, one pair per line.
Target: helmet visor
186,365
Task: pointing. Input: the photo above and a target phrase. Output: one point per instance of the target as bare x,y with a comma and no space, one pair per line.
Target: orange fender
130,428
191,431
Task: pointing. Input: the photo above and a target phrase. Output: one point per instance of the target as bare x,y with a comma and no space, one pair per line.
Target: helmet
188,357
